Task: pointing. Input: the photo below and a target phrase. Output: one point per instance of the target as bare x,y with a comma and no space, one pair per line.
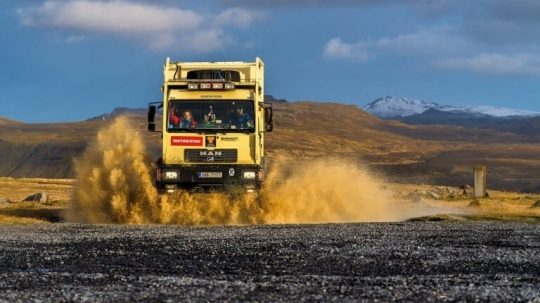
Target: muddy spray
114,185
113,180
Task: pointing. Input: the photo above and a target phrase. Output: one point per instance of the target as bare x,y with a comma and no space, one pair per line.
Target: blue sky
70,60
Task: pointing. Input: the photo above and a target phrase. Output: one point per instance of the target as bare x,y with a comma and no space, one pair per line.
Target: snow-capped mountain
393,107
389,107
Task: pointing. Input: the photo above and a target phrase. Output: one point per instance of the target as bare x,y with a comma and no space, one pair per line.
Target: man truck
213,123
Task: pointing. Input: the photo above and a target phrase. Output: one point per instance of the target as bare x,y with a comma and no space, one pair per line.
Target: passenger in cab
174,119
187,120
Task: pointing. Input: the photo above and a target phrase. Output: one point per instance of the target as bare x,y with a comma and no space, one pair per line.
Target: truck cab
213,123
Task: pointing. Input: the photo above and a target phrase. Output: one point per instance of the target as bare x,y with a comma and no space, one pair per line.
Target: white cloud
495,37
305,3
422,42
443,48
237,16
74,39
161,26
337,49
115,16
495,64
203,41
419,43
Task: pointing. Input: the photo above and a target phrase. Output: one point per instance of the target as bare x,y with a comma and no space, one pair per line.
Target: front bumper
182,176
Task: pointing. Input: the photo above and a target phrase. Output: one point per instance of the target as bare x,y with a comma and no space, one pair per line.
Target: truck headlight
249,175
171,175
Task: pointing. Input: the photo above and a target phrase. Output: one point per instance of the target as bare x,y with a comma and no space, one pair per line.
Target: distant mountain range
437,154
415,111
397,107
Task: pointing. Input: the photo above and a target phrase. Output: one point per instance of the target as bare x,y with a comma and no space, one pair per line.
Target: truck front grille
213,156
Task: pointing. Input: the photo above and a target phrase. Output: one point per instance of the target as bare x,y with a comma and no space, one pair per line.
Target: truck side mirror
268,122
151,116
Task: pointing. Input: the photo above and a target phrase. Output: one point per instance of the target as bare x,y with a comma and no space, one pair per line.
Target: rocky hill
5,121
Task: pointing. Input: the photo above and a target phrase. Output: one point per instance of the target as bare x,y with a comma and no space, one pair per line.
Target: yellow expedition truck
213,122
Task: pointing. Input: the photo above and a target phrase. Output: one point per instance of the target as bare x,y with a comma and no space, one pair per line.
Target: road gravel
410,261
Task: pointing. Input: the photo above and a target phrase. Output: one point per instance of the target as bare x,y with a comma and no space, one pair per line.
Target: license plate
210,174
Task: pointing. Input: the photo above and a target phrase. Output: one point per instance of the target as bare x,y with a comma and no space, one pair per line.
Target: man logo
210,153
210,141
231,172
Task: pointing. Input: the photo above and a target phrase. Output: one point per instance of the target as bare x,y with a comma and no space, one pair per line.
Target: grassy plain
14,190
417,202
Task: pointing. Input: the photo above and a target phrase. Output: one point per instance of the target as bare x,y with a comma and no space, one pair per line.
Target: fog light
206,85
193,86
229,86
249,175
171,175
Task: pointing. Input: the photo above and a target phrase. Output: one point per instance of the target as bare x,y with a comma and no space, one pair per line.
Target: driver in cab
239,119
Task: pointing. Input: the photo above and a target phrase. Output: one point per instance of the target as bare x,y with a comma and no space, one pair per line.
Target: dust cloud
113,180
114,185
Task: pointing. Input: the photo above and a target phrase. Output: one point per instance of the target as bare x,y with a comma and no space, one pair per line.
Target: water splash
113,180
114,185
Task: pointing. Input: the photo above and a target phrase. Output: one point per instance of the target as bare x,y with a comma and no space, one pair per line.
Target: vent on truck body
214,74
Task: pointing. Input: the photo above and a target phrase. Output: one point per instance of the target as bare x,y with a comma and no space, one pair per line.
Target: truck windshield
190,115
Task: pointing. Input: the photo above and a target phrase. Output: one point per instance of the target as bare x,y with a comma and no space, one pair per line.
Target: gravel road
412,261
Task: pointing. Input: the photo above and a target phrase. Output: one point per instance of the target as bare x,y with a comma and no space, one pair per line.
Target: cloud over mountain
496,64
494,37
